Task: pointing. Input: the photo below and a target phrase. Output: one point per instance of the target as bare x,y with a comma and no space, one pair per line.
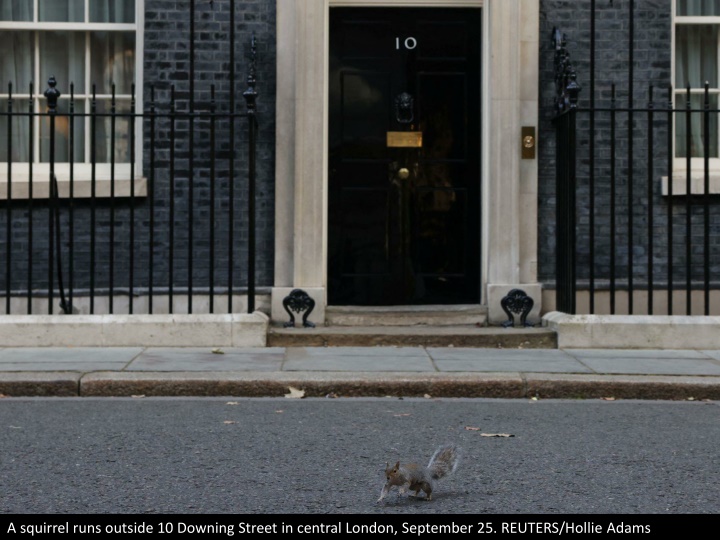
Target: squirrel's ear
397,465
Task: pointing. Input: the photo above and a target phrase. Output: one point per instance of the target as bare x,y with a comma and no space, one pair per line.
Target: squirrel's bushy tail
444,461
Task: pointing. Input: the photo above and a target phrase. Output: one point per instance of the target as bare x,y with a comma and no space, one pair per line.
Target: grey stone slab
381,352
653,366
204,359
715,354
634,353
358,362
44,355
513,360
62,366
463,354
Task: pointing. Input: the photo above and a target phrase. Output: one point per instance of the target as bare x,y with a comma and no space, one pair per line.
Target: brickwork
166,64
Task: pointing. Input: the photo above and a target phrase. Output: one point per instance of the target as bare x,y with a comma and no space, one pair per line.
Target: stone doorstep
413,336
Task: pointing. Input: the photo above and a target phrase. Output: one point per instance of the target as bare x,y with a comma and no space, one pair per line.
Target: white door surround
509,185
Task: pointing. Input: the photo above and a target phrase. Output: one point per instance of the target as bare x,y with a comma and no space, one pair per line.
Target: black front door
404,156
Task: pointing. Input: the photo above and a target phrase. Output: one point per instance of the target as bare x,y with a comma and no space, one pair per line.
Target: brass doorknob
403,174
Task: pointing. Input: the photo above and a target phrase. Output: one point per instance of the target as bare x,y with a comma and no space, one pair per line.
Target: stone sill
82,188
697,183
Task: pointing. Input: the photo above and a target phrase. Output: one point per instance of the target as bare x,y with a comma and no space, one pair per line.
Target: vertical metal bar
31,137
706,199
688,205
250,96
671,121
171,228
71,209
631,91
191,163
93,194
51,111
111,272
613,198
8,215
131,273
212,199
592,157
572,186
151,196
650,224
231,179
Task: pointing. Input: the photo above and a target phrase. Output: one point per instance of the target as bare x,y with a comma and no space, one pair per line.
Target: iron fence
95,243
637,221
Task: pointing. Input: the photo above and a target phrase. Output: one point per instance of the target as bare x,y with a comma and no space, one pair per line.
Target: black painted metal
106,249
298,301
656,245
517,302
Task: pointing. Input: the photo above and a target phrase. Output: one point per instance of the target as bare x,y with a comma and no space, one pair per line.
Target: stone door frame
509,184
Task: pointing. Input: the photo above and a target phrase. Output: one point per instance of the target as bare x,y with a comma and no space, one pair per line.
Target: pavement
296,372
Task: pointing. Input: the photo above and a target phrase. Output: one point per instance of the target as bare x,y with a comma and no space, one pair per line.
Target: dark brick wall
167,64
652,65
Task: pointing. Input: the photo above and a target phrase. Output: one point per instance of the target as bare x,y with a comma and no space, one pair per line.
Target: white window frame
697,164
82,170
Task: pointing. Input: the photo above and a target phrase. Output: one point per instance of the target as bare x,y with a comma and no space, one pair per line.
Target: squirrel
416,477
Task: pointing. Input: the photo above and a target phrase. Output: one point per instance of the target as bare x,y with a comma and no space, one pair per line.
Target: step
413,336
406,315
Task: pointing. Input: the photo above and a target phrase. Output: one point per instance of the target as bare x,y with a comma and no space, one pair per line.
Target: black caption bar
299,526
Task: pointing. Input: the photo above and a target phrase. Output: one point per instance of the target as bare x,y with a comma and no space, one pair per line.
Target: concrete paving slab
653,366
635,353
204,359
94,355
714,354
296,361
80,367
489,360
383,352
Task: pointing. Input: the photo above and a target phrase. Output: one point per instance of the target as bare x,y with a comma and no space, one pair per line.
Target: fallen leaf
427,396
295,393
139,396
229,422
496,435
402,414
534,398
279,411
691,399
3,396
233,403
332,395
470,428
608,399
218,351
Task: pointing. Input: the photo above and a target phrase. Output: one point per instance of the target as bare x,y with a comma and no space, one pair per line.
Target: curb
342,384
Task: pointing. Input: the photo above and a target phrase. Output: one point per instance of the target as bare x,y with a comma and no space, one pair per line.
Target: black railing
635,232
177,240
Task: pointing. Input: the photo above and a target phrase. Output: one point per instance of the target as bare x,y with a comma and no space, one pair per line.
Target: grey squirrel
416,477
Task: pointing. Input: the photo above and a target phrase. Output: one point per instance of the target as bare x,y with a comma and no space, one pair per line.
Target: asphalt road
327,456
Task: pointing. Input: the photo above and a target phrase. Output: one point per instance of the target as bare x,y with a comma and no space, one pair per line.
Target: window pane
696,55
16,61
112,11
105,143
698,7
19,125
61,11
63,137
16,10
62,54
112,61
697,127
